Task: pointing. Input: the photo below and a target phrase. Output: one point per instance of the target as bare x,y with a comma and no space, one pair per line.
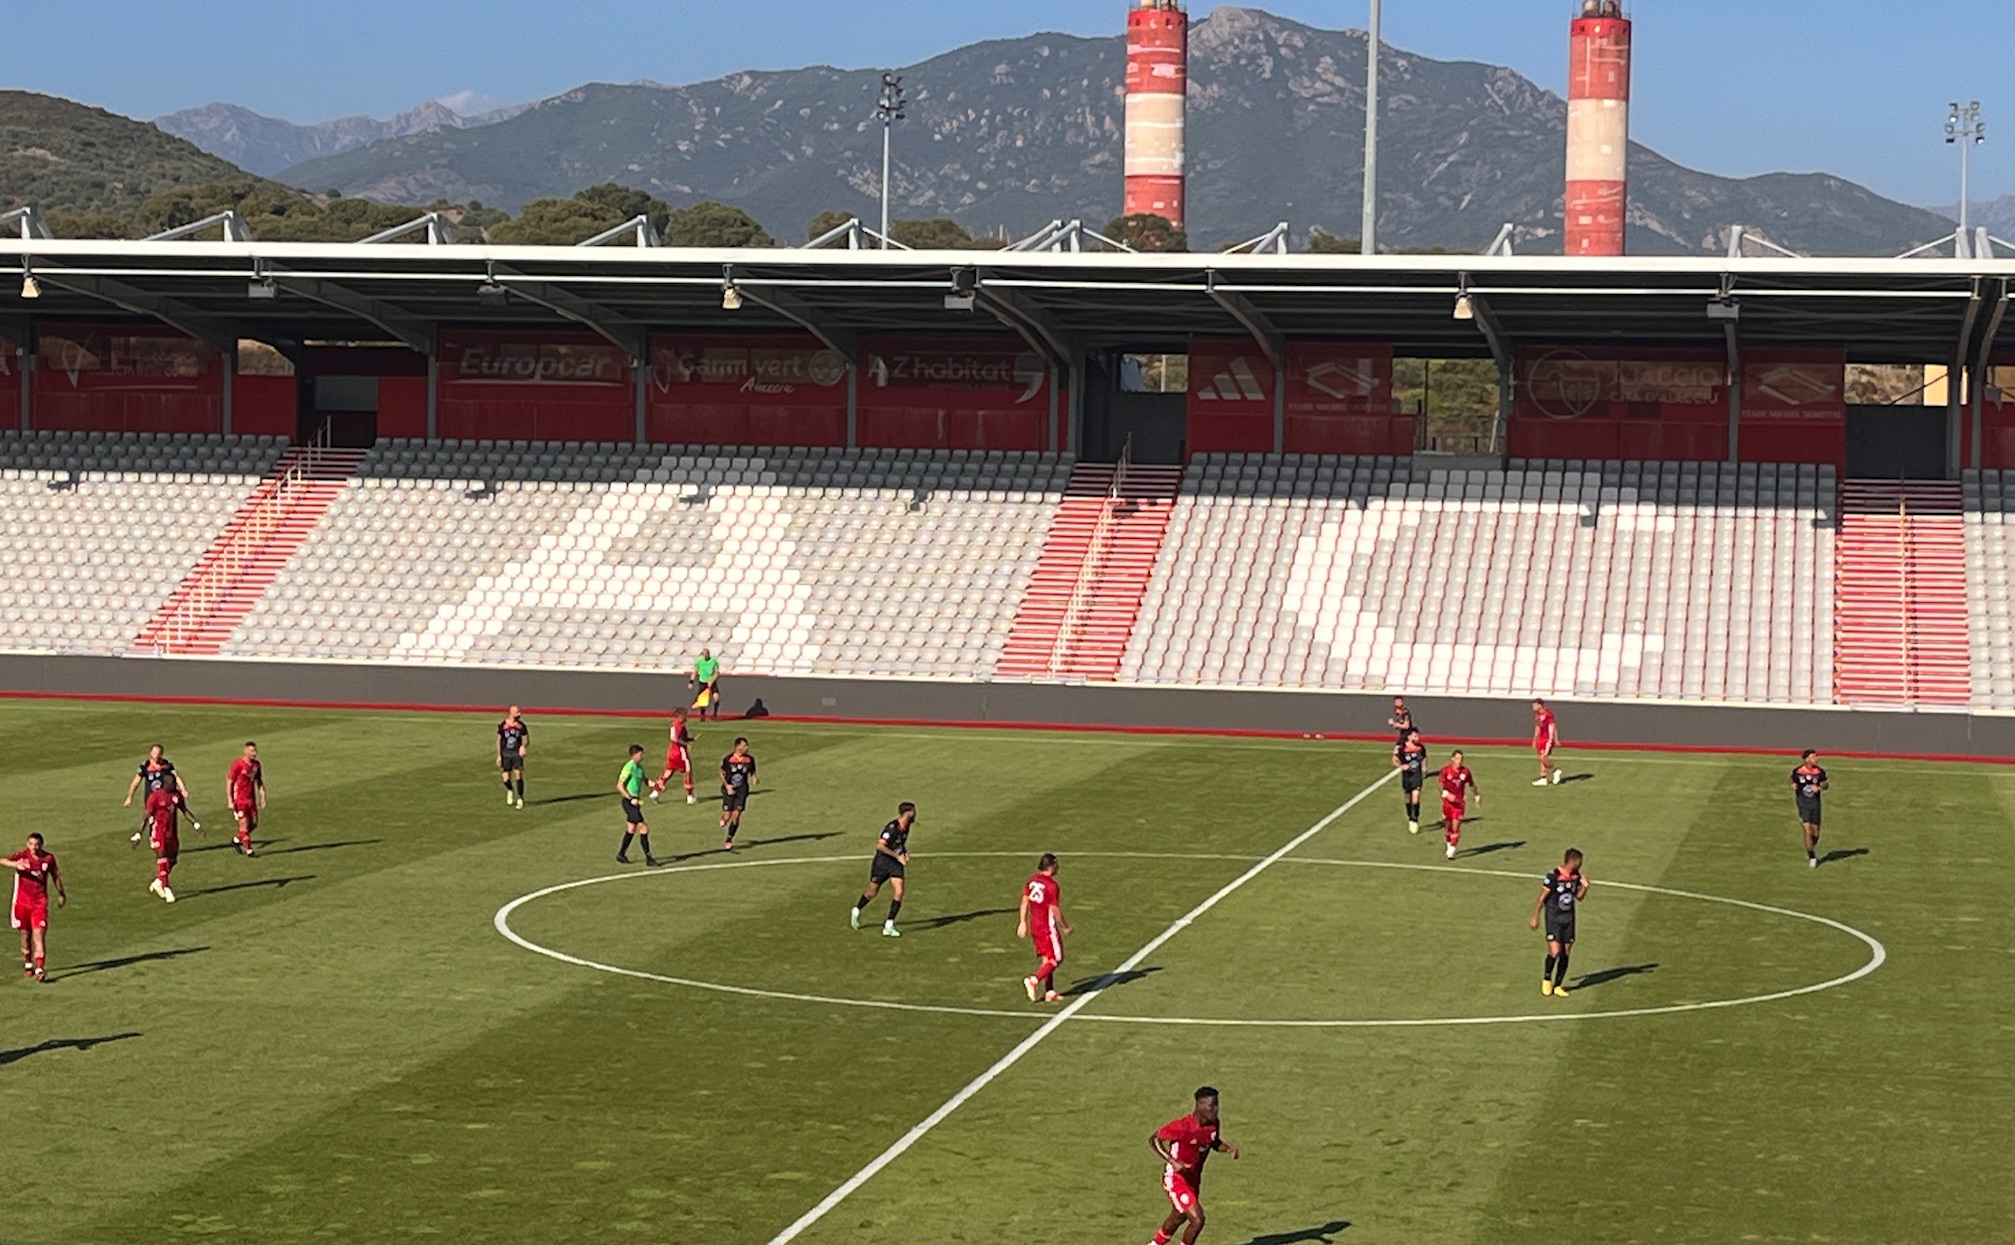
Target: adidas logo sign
1235,383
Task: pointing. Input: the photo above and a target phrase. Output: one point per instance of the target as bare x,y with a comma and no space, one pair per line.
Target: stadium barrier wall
126,378
546,386
761,389
1444,720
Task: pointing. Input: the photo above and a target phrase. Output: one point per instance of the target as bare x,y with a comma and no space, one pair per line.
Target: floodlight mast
889,109
1965,129
1368,230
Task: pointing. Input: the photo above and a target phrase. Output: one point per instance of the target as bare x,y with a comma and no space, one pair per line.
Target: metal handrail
1090,570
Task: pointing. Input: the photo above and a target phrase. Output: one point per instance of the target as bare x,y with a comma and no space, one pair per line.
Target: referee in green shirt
706,676
630,786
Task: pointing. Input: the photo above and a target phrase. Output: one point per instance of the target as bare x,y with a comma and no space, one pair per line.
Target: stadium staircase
1900,609
1085,595
245,559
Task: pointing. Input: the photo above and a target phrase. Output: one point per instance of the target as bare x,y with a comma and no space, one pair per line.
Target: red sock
1162,1238
1454,833
38,963
162,869
689,786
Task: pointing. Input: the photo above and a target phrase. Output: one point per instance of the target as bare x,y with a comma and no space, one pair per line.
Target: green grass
332,1042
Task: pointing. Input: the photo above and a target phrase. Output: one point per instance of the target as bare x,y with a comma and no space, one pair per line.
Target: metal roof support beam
1961,354
1502,244
28,221
1983,363
632,338
844,342
235,229
640,228
218,334
413,334
434,223
1502,350
1043,335
1272,342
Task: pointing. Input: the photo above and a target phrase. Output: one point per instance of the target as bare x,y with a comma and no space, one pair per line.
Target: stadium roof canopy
1064,304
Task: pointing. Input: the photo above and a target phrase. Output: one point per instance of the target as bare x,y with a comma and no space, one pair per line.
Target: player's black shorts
633,811
1559,929
1411,782
882,868
734,801
509,761
1808,810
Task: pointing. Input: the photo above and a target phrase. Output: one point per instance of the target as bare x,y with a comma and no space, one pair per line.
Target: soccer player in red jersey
163,816
245,788
1545,738
1457,784
34,872
1183,1145
678,759
1042,918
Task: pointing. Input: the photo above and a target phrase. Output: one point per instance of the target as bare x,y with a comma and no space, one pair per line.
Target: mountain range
1012,133
268,145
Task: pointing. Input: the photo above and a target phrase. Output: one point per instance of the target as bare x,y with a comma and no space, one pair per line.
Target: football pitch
401,1021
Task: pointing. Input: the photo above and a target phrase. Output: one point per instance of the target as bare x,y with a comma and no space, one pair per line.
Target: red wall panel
1230,398
10,384
1339,400
1620,402
402,406
127,379
781,389
984,393
265,406
1794,406
517,387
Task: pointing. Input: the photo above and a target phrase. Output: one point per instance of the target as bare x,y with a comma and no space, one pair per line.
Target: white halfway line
1029,1043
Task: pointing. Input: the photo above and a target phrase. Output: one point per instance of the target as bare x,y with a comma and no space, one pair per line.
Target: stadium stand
1685,581
893,562
101,526
1989,496
1903,595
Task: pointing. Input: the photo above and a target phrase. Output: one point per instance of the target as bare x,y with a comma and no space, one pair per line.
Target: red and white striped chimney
1598,129
1157,87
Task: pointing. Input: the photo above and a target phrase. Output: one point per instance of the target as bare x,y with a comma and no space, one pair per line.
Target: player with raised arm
155,772
678,758
1401,720
1043,921
890,863
1808,784
738,778
1545,738
514,740
706,677
1182,1145
1560,896
1409,757
630,784
245,792
163,818
1457,785
35,872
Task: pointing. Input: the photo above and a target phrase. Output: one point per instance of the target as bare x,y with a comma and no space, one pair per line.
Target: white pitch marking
1029,1043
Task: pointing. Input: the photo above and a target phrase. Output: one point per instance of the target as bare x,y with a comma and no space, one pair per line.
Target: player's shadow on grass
960,918
324,847
1323,1234
1567,778
275,883
1488,848
124,961
1107,981
1839,854
576,798
229,846
1603,976
17,1055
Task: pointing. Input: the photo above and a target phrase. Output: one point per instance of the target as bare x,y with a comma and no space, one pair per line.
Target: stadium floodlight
965,290
262,287
1465,307
1965,129
30,287
1724,310
889,110
491,294
731,298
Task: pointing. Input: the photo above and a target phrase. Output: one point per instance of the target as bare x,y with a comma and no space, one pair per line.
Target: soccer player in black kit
1560,896
1409,757
1808,782
514,739
1401,720
738,776
892,858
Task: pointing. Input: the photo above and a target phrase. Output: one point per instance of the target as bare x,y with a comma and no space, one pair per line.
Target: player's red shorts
1048,944
1181,1193
31,914
246,811
168,846
1545,749
677,761
1451,811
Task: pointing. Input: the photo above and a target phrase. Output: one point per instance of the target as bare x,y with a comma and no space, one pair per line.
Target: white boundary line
1878,954
1033,1040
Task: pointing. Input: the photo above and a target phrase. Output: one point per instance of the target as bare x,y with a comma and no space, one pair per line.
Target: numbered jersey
1042,893
1562,893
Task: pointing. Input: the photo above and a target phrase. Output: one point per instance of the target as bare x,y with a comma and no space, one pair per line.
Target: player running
1560,896
1401,719
678,759
1042,919
706,676
155,772
1808,783
1545,738
1183,1145
514,740
245,790
738,778
1457,785
891,860
1409,757
163,818
34,872
630,784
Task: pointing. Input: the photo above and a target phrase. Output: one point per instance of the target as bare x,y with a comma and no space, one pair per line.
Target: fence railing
1091,569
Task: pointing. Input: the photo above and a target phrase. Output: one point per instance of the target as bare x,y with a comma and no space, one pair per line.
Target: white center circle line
1878,954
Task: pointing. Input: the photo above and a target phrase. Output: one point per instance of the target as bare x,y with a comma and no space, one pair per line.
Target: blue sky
1855,87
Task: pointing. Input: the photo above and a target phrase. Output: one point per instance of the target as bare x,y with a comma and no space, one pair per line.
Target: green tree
65,223
941,234
827,221
1147,231
1323,242
715,225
